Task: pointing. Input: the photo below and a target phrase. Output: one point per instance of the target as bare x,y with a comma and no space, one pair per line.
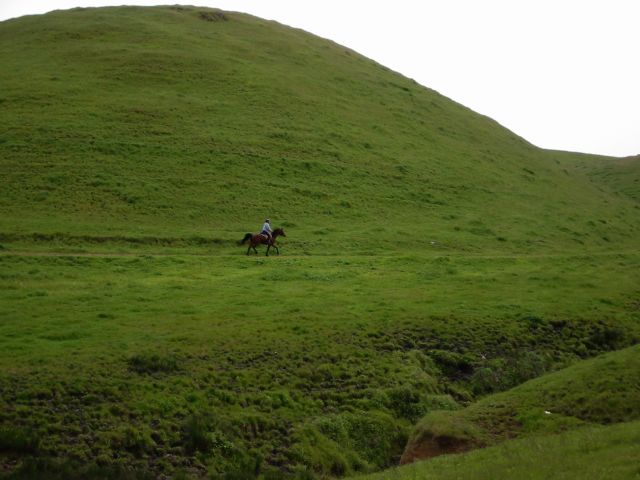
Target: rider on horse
266,230
266,237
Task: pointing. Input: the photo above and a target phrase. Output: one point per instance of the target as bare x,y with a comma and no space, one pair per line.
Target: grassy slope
622,176
147,130
594,453
157,122
601,390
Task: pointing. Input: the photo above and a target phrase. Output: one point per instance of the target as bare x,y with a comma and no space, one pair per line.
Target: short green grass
308,363
425,244
621,175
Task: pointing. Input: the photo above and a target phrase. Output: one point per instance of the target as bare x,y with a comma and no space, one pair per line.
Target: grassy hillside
621,175
180,122
432,257
594,453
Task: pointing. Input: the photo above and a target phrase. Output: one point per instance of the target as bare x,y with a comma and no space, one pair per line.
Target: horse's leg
277,249
268,247
249,249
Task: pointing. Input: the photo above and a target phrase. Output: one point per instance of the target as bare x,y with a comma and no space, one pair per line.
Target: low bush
17,440
200,434
452,364
153,363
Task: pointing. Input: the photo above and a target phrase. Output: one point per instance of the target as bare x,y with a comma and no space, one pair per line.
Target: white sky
564,74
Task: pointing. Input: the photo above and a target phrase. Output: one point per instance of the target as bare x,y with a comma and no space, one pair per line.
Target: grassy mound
591,453
601,390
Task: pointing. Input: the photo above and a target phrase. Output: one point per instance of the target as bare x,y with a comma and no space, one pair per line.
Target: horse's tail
246,237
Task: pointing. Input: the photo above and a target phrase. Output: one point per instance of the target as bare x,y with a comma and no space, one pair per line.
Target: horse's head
279,232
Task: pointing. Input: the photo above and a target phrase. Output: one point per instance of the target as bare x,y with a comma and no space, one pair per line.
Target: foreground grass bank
603,390
595,453
308,364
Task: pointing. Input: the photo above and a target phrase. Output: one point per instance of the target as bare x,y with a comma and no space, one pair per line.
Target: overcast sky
564,74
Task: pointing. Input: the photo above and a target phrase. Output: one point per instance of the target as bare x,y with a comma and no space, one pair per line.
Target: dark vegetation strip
333,414
63,238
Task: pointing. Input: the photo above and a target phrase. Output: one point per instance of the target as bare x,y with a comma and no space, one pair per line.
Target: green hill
181,122
432,257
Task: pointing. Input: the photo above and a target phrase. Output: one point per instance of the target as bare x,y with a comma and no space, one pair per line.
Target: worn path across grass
71,253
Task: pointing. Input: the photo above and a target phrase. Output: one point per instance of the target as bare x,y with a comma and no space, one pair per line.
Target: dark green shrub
18,441
360,441
153,363
452,364
406,402
199,434
50,469
501,374
608,337
246,468
137,441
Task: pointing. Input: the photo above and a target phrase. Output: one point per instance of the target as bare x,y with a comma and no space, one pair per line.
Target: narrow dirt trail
27,253
103,254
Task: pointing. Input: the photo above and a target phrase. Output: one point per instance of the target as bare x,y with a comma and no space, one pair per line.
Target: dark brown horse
260,239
